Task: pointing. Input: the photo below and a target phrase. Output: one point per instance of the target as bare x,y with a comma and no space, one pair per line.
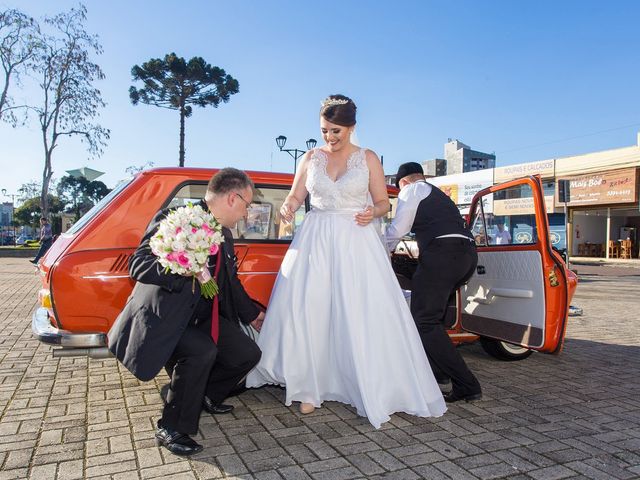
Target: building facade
461,158
6,214
603,209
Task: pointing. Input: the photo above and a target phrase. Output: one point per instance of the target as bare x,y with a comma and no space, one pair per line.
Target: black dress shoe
452,396
176,442
219,409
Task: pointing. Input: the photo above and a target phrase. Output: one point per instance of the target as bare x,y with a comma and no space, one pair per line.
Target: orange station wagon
517,301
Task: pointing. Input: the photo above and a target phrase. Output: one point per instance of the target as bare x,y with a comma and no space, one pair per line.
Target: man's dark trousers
198,367
444,266
44,246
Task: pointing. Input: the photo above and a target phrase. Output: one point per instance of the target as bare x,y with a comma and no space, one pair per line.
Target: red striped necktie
215,315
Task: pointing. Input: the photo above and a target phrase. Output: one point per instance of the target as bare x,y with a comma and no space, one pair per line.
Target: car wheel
503,350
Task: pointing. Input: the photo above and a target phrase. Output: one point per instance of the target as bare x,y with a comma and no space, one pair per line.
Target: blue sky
526,80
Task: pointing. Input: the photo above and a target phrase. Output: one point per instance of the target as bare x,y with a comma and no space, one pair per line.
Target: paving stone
270,459
555,472
386,460
497,470
231,464
346,473
429,472
301,454
322,449
206,468
454,471
70,470
398,475
17,473
110,468
270,475
294,473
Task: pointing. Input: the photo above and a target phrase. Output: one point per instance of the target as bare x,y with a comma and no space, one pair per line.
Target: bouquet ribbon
215,313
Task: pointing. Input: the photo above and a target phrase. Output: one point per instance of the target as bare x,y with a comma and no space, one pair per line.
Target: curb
18,252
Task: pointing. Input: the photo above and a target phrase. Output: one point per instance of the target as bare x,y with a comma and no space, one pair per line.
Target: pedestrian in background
46,239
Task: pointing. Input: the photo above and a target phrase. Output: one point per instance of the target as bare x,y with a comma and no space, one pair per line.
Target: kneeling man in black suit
167,323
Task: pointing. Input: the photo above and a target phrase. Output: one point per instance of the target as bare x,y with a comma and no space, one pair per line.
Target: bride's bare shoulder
371,156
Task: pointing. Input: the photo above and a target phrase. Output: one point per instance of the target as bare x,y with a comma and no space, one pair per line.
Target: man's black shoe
33,261
176,442
219,409
452,396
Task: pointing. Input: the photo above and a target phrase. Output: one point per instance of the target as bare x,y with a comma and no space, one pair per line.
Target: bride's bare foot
306,408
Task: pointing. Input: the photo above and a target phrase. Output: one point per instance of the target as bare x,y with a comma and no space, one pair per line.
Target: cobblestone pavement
571,416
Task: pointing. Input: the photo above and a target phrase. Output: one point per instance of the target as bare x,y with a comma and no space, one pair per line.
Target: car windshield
98,207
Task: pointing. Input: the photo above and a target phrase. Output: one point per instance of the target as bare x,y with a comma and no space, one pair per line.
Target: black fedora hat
408,168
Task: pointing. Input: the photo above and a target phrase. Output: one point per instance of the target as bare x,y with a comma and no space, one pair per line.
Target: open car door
519,293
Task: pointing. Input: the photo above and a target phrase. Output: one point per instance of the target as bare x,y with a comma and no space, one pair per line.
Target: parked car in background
6,238
517,302
25,239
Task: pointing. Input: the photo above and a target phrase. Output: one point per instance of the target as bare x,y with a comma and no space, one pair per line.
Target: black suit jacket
160,306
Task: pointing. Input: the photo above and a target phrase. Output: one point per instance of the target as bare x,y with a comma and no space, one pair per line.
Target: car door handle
481,270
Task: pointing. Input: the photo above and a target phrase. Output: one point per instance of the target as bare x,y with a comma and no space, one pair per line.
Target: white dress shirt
502,237
409,199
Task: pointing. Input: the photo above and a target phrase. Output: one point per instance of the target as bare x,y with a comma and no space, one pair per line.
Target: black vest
437,215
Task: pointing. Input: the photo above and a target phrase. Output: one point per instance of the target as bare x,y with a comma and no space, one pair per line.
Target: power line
569,138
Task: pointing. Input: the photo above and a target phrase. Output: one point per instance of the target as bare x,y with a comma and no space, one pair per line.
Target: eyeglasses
248,204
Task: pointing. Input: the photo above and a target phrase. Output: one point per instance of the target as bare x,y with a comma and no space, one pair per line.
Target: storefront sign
467,191
463,193
450,191
618,186
520,206
544,168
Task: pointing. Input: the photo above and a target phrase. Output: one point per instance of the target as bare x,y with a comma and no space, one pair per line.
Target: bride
338,326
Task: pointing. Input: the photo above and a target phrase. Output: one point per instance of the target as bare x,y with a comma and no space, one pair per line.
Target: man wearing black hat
447,260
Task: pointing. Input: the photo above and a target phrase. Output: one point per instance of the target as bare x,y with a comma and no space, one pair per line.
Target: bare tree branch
70,103
19,44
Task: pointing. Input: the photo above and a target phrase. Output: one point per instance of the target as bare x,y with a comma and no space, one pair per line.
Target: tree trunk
47,173
181,153
46,178
3,97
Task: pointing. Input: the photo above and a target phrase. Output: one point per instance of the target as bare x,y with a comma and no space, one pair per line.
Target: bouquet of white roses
185,239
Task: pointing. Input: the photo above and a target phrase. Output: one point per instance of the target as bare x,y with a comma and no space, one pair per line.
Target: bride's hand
364,217
287,212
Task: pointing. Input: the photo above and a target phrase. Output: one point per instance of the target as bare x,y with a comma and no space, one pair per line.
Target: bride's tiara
330,102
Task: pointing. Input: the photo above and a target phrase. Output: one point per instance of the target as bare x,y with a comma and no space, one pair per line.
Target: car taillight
44,297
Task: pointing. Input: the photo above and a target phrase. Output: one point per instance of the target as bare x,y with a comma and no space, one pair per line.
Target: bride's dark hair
339,109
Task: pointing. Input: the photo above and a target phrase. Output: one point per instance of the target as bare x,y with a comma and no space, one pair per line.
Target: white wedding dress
337,325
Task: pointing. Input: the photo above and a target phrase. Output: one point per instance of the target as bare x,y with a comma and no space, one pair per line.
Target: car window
192,193
98,207
506,216
263,220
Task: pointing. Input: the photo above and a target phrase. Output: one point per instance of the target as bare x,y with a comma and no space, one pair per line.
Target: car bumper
73,344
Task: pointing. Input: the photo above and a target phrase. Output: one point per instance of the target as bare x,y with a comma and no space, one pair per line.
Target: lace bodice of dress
350,191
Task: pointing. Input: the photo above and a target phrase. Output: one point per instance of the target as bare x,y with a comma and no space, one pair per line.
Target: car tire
504,351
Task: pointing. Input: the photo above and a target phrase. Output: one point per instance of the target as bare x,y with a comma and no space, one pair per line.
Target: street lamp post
294,152
13,211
